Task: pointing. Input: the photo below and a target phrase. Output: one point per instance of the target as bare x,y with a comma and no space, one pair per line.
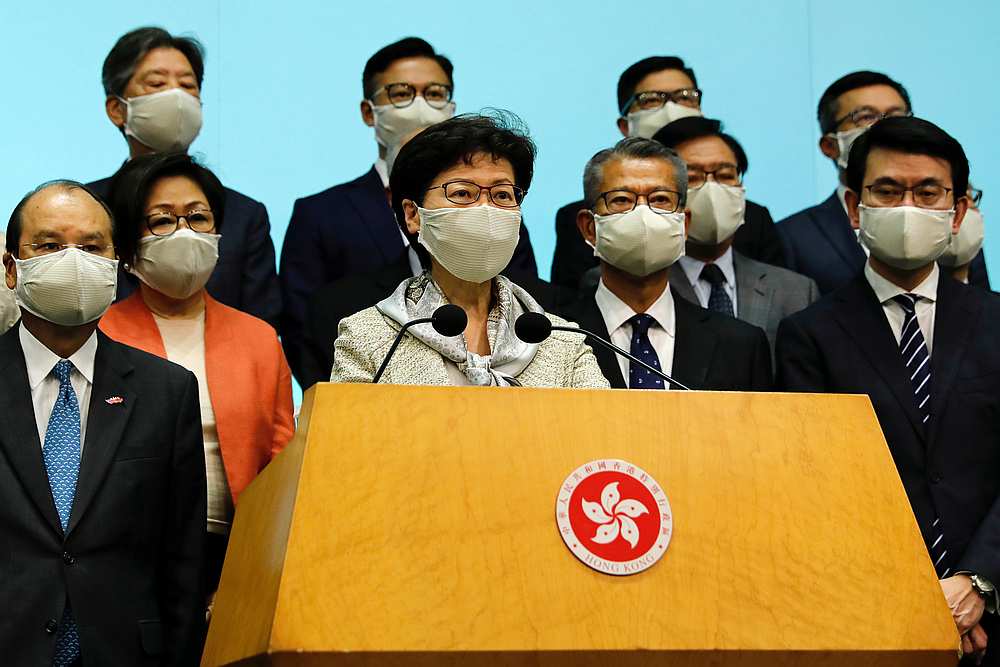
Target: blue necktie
62,463
718,300
641,348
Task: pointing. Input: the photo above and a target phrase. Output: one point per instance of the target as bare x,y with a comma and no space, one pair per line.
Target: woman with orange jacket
168,213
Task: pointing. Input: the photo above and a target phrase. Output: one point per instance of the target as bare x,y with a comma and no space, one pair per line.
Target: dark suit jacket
130,561
820,243
711,351
346,230
246,276
351,294
756,238
843,344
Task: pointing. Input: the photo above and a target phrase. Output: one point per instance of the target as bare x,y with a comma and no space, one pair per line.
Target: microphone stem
611,346
395,344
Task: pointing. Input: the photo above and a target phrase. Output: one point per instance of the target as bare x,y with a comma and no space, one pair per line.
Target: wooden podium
416,526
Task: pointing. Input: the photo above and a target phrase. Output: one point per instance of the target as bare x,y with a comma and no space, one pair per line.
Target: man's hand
974,643
965,604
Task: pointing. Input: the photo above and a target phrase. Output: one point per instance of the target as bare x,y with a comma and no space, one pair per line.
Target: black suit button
68,559
936,478
51,626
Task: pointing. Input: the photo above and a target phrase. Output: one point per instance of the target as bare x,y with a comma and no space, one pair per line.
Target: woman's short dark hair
133,46
914,136
499,134
676,133
130,188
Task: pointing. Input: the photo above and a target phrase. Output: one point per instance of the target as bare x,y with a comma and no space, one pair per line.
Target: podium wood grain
420,529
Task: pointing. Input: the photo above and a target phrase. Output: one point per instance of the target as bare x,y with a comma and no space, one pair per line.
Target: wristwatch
986,590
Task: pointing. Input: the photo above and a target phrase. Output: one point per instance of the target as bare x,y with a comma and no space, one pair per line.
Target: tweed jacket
563,359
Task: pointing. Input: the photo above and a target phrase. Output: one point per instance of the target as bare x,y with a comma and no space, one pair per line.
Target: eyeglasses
504,195
976,196
51,247
622,201
929,195
868,116
162,223
655,99
724,174
401,95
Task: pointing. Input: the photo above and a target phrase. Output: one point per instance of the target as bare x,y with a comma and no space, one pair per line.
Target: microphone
448,320
536,327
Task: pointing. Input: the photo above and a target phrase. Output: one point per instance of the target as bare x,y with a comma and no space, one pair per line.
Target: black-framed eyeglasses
50,247
976,195
927,195
724,174
402,95
465,193
868,116
648,100
622,201
162,223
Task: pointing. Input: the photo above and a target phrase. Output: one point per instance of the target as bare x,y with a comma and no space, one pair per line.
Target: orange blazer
248,380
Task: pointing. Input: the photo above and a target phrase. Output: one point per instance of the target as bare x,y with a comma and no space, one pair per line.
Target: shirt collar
616,312
383,171
885,290
40,360
693,267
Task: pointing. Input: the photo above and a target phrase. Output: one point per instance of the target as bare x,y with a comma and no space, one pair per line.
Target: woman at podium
457,189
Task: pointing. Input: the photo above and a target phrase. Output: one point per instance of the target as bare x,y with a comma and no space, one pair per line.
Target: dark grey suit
765,294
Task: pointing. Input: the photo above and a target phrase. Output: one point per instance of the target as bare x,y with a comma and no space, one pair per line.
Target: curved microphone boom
536,327
448,320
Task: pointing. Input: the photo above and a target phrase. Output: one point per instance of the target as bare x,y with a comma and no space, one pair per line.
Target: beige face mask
177,265
905,237
716,212
167,121
473,244
641,241
965,245
647,123
70,287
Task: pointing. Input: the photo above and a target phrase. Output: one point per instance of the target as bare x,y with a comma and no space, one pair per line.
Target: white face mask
392,125
845,140
646,123
966,243
177,265
641,241
70,287
905,237
167,121
473,244
716,212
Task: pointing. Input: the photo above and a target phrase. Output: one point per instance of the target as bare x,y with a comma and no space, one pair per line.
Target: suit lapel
836,227
955,319
863,318
682,286
589,317
753,298
368,197
105,423
694,344
19,433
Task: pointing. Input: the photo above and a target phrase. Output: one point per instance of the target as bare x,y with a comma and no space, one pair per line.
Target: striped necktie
62,464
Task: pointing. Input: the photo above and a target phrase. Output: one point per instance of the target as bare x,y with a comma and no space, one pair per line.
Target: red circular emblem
614,517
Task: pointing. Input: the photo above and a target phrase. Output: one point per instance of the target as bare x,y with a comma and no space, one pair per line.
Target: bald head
59,212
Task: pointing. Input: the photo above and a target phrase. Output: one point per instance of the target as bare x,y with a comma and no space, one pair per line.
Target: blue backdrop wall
282,84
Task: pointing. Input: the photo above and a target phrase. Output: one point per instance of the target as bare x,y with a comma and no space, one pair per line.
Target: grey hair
632,147
16,221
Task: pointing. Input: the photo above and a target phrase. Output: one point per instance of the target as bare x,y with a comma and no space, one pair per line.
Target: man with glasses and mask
820,241
967,244
923,348
636,223
349,228
652,93
152,84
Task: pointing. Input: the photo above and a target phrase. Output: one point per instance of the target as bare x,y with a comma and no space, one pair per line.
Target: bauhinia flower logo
615,516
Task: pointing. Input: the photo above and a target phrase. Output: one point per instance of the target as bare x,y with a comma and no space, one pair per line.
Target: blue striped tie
917,360
62,463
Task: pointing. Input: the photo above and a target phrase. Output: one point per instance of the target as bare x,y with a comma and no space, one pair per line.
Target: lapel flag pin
114,400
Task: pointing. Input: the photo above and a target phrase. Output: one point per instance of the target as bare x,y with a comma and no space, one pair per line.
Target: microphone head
449,320
532,327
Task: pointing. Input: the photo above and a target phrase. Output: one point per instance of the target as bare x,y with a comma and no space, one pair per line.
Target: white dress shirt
383,172
702,288
40,361
616,314
894,313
